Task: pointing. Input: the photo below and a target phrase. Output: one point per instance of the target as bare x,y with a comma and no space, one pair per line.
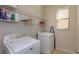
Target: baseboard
66,51
77,50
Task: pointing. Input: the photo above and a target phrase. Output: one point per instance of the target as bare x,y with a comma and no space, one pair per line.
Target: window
62,17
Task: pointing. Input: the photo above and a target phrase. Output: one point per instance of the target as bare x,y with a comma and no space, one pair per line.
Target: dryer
46,42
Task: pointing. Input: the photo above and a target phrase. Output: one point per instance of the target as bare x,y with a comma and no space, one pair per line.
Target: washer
24,45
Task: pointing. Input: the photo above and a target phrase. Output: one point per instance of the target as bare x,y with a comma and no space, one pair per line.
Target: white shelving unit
16,9
3,20
11,8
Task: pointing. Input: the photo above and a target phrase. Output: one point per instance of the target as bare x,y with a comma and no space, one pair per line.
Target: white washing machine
46,42
23,45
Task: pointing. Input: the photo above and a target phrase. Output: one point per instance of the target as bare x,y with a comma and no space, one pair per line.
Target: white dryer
24,45
46,42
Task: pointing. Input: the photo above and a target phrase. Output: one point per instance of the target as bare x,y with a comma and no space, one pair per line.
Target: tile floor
57,51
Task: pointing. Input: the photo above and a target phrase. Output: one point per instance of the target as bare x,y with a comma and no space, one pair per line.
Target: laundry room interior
39,29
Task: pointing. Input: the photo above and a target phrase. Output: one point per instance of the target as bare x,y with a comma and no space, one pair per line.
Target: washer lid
21,43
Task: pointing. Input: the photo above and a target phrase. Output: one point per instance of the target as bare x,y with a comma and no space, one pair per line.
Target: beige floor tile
57,51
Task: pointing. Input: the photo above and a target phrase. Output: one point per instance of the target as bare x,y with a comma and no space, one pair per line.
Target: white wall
31,30
35,10
65,39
